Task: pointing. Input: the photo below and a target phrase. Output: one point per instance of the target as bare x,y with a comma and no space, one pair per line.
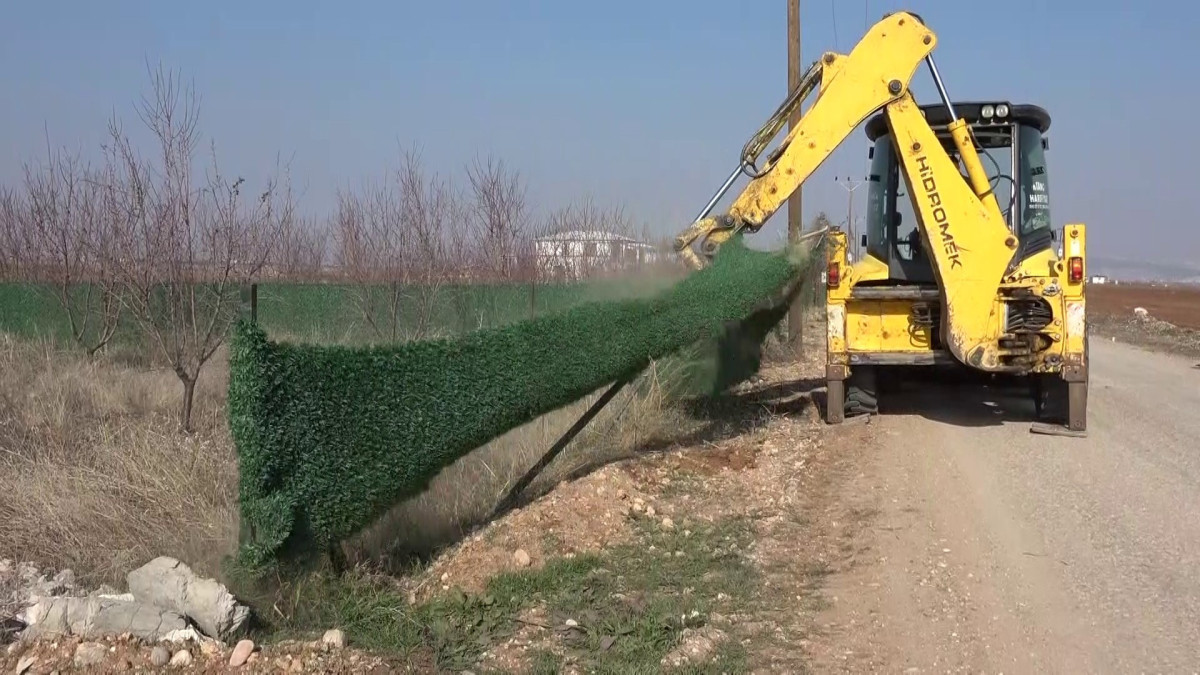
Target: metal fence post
249,301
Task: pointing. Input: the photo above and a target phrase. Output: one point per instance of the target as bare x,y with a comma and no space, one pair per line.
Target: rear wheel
862,392
1050,394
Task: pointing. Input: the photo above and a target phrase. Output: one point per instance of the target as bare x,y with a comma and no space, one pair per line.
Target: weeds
92,475
619,611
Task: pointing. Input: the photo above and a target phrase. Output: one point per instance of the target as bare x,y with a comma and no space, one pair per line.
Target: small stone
668,524
209,647
650,511
521,557
25,664
240,653
253,658
182,659
159,656
333,639
445,576
89,654
571,623
638,507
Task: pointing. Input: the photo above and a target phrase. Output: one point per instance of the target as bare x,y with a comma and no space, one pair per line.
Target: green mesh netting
331,437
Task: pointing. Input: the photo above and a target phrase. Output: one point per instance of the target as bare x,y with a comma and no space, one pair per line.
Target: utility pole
850,185
795,218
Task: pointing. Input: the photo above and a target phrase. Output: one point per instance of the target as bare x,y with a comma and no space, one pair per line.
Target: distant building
576,254
1098,279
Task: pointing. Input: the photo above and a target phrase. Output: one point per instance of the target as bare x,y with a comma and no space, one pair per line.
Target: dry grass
94,475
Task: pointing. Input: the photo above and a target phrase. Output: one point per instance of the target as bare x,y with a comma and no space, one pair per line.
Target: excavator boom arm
961,225
849,88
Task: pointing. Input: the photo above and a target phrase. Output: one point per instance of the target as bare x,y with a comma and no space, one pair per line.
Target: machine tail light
833,275
1075,269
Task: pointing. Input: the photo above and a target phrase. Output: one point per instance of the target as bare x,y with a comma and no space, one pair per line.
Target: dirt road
994,550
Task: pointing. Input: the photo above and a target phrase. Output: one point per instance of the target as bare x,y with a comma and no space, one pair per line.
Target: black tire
1050,398
862,392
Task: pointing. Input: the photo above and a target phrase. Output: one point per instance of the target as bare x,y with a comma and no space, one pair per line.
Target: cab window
1034,197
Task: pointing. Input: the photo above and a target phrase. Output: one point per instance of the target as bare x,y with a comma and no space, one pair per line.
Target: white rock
159,656
60,616
182,659
521,558
168,583
333,639
89,654
668,524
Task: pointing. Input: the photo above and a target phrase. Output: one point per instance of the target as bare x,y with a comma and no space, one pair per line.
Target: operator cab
1012,145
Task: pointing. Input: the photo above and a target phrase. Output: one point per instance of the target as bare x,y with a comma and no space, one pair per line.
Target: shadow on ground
959,398
713,421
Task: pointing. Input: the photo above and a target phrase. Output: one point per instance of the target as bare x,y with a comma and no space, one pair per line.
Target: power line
833,11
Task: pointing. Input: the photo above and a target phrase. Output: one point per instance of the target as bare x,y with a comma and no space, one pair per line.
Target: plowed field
1178,304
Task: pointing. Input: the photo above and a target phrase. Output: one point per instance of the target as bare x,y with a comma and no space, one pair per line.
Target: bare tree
372,251
185,244
433,215
399,241
13,251
300,253
499,213
70,237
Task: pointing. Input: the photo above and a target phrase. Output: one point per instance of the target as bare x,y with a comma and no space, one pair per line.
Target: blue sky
644,104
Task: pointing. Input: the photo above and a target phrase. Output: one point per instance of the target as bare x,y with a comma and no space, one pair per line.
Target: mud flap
1047,429
835,401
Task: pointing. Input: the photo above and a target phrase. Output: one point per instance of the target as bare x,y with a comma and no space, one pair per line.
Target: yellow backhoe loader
958,263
